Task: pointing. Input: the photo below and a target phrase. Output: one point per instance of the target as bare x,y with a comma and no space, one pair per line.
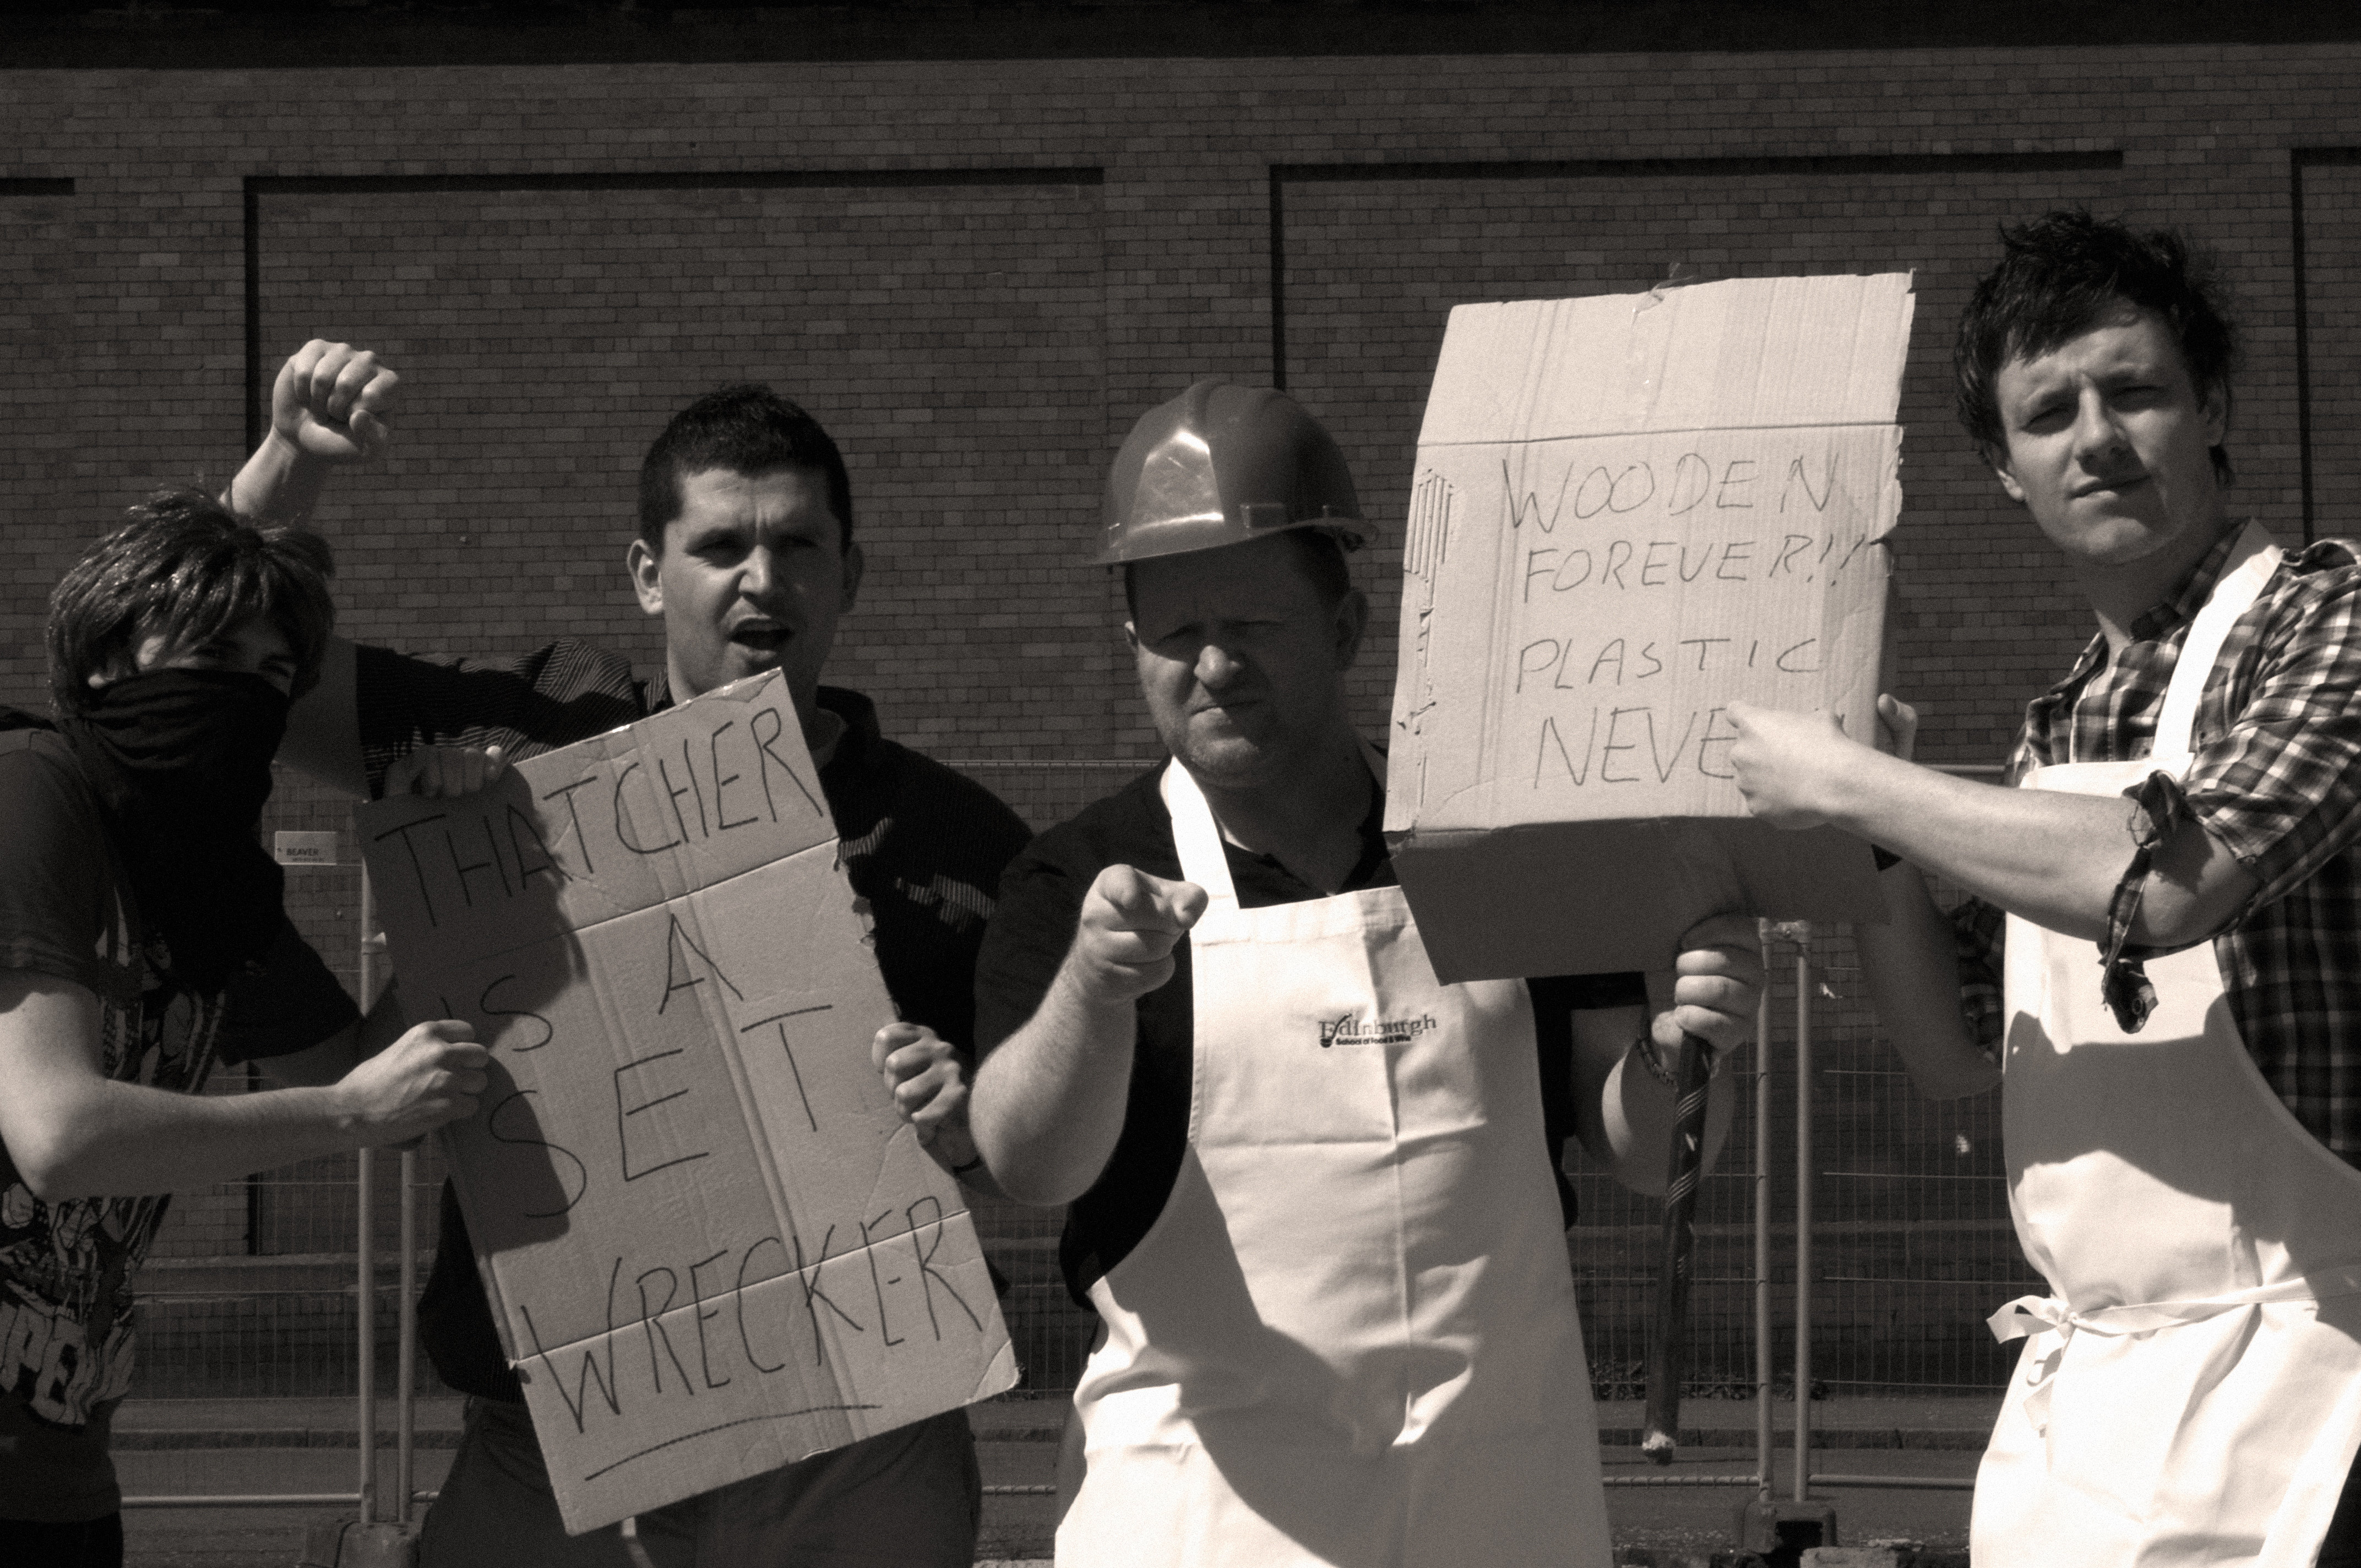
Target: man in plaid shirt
2175,1013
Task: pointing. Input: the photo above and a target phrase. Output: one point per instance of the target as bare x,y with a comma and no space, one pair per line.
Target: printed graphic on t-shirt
66,1268
958,905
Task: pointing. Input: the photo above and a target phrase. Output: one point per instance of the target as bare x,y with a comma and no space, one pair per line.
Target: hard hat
1222,465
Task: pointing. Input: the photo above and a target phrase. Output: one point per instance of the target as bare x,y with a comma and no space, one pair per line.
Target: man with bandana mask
133,898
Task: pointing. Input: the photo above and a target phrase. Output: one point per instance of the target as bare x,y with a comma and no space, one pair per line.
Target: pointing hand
1130,924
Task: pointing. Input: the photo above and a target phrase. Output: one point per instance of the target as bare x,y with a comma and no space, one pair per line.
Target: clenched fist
1791,767
1130,924
1712,990
432,1074
331,400
923,1075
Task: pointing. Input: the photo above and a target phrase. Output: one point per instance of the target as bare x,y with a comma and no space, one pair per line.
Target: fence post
406,1354
366,1194
1763,1342
1803,933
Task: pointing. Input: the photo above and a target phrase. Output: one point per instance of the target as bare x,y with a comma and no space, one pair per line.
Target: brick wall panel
2331,244
950,338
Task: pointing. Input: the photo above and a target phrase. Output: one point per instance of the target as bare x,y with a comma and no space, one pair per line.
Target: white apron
1350,1336
2191,1391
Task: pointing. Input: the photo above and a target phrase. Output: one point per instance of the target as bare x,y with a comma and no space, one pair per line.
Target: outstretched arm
2053,858
71,1132
1623,1111
1048,1104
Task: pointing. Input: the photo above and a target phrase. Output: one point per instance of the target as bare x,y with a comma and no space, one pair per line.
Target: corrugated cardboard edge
1502,373
1598,898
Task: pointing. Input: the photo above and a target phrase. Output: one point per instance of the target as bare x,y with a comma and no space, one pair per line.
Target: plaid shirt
2275,779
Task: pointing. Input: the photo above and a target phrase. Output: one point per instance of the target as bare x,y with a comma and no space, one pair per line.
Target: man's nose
2097,431
759,573
1217,665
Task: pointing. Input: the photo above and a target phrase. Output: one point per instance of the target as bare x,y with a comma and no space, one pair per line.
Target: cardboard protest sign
1630,510
711,1246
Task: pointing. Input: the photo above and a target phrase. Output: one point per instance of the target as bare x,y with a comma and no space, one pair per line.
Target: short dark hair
2065,272
1319,551
184,565
743,429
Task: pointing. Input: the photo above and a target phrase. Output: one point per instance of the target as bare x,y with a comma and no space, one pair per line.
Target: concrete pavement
1870,1447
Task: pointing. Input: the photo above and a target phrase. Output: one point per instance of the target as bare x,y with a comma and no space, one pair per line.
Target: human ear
647,576
855,565
1996,458
1352,625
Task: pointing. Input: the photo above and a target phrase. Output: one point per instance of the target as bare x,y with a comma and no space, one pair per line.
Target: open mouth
761,639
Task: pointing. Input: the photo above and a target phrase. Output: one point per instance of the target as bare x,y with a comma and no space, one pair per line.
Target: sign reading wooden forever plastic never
711,1246
1629,511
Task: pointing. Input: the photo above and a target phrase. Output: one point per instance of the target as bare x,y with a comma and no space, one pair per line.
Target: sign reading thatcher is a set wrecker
711,1246
1630,510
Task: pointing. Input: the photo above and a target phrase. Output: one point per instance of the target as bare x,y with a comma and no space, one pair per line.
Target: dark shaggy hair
2066,272
744,429
184,565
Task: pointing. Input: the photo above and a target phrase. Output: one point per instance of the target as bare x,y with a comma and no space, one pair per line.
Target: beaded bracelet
1646,1048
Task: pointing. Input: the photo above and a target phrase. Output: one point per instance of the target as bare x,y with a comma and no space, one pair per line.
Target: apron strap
2031,1314
1198,837
2252,561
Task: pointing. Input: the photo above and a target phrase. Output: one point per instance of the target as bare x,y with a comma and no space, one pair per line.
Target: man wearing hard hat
1312,1187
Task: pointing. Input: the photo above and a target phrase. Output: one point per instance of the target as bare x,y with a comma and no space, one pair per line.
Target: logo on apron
1348,1030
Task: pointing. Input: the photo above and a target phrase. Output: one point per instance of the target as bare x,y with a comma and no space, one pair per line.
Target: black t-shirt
924,846
67,1267
67,909
1040,903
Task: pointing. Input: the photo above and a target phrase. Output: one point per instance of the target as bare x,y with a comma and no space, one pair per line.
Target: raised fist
331,400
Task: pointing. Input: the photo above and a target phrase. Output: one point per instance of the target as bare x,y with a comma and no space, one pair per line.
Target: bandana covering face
181,760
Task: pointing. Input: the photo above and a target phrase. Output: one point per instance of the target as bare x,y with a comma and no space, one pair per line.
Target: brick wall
978,273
